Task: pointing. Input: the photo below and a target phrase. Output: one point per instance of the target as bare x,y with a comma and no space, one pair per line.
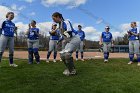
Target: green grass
94,76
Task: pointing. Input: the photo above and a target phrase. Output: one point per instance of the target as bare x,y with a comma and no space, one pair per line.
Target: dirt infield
87,55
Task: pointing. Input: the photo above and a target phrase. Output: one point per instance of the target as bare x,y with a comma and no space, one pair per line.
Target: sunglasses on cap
54,24
107,27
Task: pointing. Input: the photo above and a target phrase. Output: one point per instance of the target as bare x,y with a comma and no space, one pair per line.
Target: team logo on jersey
7,25
107,35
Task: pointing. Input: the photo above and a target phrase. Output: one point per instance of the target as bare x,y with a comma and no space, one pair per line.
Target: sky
93,15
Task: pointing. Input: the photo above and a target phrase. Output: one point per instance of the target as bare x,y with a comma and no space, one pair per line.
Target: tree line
21,42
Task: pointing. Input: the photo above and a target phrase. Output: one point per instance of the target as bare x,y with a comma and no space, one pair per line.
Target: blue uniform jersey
8,28
133,37
32,33
67,26
106,36
81,34
56,36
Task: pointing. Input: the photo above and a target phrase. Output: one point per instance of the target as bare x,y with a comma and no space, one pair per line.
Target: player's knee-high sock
37,57
54,55
138,57
82,55
131,56
48,55
0,56
36,53
72,63
69,63
77,54
105,55
11,58
30,55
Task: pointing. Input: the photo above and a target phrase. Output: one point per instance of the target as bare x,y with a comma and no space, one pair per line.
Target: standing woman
54,38
33,42
7,37
73,41
81,33
133,36
106,40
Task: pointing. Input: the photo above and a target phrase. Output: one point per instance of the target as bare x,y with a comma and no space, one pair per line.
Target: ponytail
57,14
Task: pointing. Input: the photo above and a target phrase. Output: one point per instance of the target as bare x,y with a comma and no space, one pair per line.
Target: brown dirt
87,55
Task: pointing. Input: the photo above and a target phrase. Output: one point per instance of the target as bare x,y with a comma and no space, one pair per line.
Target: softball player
33,42
73,40
7,37
133,36
54,39
82,37
107,41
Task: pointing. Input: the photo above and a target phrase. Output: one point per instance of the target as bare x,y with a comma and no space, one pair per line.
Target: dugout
120,48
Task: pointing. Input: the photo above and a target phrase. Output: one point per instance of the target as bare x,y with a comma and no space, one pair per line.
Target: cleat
54,61
82,60
13,65
106,60
131,63
38,62
60,60
66,72
138,64
73,72
47,61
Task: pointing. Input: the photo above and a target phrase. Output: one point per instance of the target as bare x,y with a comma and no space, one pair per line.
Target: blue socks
82,55
131,57
54,55
77,54
106,55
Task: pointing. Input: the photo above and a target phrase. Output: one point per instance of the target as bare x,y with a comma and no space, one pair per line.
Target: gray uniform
72,43
106,46
33,43
81,47
53,45
4,41
134,42
134,47
7,38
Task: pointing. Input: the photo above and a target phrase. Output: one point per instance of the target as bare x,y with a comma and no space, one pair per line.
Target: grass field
94,76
